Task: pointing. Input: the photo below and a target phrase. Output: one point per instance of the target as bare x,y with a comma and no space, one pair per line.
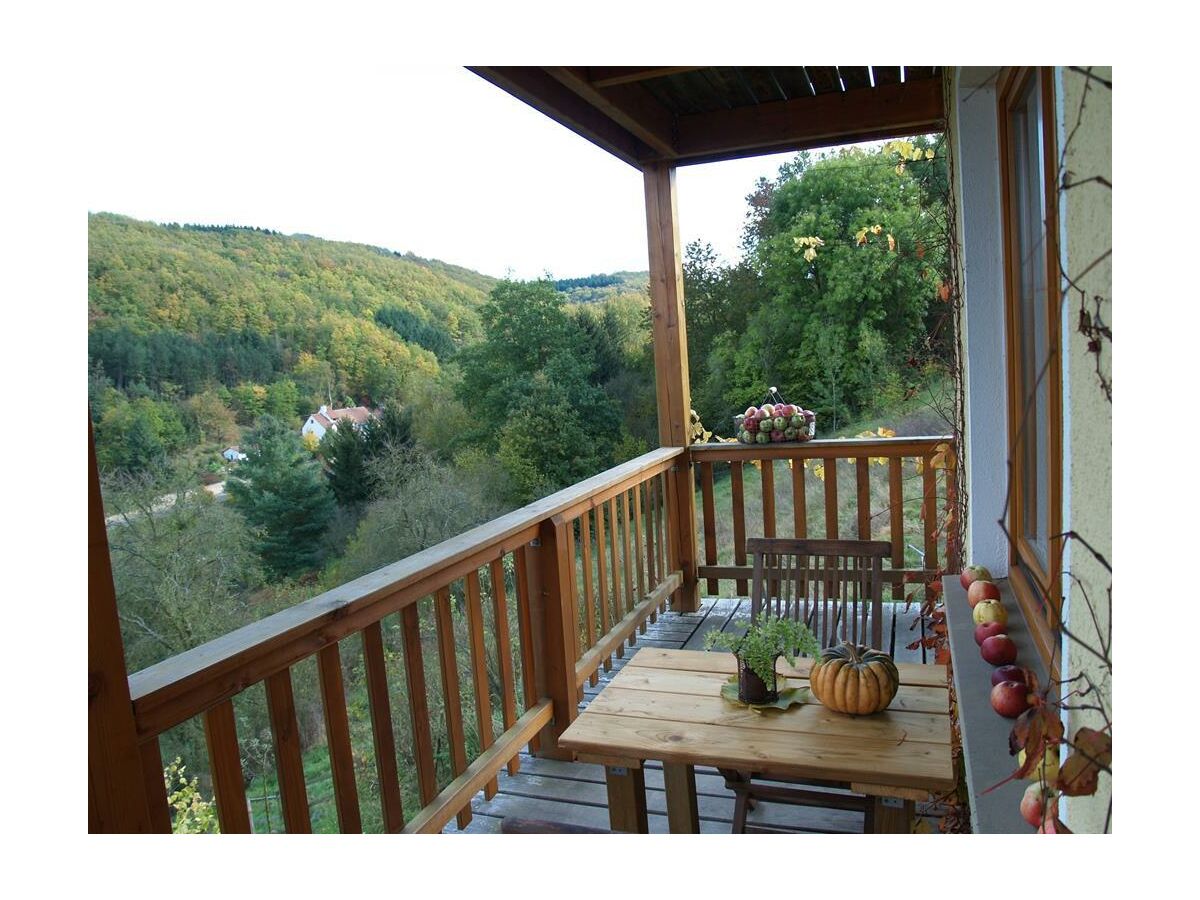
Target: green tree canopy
529,391
833,321
282,493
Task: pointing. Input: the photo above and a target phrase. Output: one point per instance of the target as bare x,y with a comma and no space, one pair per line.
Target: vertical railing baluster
479,671
589,597
337,736
799,499
929,482
896,518
831,497
737,501
602,581
708,502
418,703
379,699
508,689
289,764
225,767
863,501
451,694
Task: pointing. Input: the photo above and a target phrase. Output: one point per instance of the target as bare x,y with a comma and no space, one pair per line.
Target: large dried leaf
1079,774
1035,731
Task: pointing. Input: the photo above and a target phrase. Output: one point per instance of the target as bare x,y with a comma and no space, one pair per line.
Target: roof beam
629,105
808,122
532,85
609,76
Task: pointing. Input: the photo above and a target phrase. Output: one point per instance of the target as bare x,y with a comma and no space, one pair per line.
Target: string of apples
1011,688
775,422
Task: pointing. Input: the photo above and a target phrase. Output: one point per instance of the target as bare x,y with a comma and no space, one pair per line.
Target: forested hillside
185,307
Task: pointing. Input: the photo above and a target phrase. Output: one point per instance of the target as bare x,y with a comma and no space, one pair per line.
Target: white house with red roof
325,419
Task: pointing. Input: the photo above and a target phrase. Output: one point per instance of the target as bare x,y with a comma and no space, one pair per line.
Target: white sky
499,187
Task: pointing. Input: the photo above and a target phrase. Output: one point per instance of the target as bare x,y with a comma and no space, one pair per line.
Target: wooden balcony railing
567,627
589,567
894,482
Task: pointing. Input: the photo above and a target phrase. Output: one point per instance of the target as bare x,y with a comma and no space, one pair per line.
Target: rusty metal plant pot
752,689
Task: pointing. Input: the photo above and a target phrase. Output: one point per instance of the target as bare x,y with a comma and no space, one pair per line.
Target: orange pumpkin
854,679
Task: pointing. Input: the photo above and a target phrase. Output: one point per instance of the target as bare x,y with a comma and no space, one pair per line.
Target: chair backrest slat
833,586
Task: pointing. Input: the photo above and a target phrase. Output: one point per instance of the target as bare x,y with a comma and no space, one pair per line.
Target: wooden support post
683,815
890,815
671,372
116,783
627,799
556,624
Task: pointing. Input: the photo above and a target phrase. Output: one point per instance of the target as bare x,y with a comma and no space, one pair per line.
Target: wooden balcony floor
575,793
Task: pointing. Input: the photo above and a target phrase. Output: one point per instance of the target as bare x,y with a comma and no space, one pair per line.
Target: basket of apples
775,422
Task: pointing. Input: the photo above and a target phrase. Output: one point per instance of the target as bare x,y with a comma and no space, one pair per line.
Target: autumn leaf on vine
943,457
819,470
1037,730
891,244
810,254
944,291
860,236
929,154
1079,774
877,229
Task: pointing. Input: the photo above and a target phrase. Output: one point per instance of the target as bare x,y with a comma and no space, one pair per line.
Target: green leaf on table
787,697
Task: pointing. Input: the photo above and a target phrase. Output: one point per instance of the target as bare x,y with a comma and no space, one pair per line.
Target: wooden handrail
848,448
176,689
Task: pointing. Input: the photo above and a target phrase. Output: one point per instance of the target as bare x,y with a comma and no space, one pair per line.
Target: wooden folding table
666,705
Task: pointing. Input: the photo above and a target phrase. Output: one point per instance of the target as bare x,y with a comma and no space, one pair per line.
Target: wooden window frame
1038,591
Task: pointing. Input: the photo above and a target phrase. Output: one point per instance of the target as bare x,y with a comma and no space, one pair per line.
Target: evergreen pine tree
280,491
344,452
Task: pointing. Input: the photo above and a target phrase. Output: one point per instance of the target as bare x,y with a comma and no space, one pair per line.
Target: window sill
984,732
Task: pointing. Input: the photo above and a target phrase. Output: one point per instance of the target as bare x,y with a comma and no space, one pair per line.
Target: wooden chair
836,588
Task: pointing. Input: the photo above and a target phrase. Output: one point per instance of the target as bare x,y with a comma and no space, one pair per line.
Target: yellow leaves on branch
908,152
810,245
861,236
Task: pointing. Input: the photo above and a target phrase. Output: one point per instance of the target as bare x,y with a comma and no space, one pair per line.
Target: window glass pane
1033,338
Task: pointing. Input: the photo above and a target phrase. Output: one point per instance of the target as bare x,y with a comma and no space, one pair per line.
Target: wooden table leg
683,815
891,815
627,799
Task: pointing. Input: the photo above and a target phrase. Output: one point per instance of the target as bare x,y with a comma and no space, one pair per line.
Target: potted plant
768,638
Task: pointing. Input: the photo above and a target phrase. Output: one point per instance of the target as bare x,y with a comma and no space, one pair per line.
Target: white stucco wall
1086,234
312,426
986,431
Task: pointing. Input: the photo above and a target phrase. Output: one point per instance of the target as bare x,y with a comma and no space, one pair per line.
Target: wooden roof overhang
693,114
